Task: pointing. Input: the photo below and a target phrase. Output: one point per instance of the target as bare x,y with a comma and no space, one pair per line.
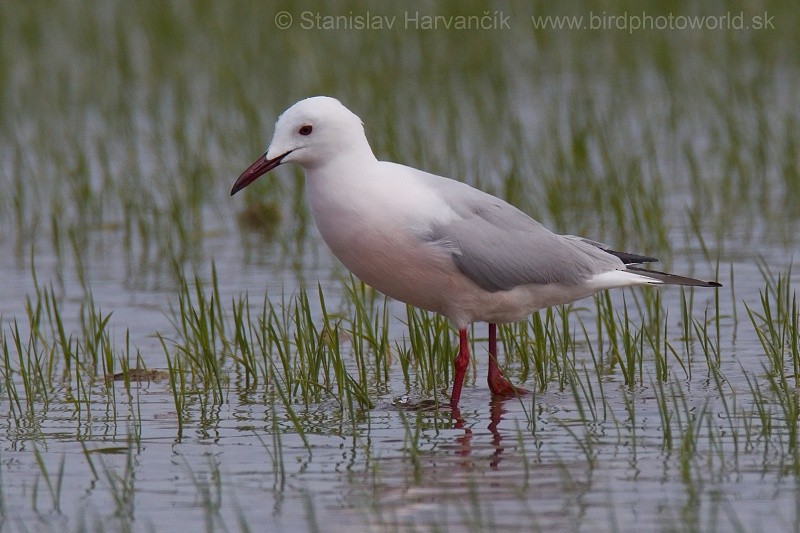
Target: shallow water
487,466
676,144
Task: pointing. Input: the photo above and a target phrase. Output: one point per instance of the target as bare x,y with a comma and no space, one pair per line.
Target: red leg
461,363
498,384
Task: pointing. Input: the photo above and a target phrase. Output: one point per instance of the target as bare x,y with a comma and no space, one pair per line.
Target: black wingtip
673,279
626,257
631,259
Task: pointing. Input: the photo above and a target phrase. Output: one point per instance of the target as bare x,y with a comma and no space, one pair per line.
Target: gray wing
499,247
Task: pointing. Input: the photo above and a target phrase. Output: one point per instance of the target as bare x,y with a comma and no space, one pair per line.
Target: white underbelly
402,268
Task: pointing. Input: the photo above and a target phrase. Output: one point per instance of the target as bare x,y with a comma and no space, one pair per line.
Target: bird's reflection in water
464,441
496,411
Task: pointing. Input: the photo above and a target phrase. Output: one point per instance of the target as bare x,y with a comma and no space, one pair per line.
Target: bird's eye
305,130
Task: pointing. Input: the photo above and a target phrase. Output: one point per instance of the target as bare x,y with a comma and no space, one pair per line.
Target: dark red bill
260,166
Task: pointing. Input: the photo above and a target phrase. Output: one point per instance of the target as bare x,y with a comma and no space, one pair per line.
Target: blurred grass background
132,119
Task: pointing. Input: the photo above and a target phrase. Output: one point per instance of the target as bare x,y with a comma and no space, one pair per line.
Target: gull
437,243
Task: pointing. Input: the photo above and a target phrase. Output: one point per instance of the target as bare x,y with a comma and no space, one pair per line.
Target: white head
311,132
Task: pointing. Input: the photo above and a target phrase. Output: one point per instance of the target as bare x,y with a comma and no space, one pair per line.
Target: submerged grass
427,360
42,362
283,349
610,369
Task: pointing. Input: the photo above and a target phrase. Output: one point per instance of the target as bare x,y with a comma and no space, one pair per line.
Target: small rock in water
139,374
